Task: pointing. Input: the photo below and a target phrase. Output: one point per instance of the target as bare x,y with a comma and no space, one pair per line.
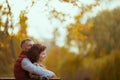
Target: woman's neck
39,62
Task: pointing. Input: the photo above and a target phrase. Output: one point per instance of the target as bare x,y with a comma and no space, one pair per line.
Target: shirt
30,67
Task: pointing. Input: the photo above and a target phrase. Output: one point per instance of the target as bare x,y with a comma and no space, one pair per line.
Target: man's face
27,45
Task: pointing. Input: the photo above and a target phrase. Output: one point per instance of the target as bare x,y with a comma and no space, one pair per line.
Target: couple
29,63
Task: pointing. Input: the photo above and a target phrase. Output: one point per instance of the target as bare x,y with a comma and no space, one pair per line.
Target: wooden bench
29,79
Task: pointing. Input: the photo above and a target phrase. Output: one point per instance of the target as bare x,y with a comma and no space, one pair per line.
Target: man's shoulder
26,60
23,54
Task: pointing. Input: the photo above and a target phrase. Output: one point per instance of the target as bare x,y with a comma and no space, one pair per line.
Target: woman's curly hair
34,52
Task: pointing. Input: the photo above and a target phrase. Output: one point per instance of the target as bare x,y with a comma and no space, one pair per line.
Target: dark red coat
20,73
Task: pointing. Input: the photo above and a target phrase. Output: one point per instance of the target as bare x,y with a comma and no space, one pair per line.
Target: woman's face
42,56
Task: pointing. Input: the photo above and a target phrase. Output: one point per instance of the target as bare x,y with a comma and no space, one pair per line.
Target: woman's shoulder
37,64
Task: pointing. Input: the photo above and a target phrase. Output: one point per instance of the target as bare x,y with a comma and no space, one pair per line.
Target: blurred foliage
106,31
61,16
9,42
6,50
102,59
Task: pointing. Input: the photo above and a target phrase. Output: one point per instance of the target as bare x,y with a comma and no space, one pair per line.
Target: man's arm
28,66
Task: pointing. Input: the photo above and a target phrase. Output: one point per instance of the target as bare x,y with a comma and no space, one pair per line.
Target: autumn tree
6,42
9,42
105,32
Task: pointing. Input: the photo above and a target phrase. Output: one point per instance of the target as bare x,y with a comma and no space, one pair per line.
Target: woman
37,54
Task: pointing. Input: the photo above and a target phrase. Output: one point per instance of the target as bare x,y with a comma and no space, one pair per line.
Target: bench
29,79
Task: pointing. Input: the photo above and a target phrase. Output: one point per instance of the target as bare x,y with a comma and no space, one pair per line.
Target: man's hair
23,41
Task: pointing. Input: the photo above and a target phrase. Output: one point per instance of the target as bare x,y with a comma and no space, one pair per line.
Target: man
19,72
23,65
